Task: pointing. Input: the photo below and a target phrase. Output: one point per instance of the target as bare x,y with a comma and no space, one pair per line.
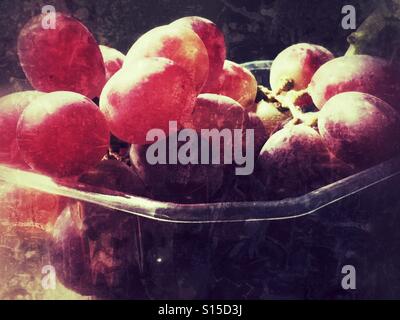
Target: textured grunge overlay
334,254
253,29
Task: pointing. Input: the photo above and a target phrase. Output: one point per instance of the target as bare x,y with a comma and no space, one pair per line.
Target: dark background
255,29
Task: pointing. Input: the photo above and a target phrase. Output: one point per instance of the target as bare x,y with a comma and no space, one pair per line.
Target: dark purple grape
187,183
95,250
115,176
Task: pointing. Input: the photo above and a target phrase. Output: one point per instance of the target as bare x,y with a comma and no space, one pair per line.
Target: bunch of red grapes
326,118
323,118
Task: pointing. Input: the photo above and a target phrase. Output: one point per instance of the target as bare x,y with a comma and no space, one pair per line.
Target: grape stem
308,118
378,35
287,102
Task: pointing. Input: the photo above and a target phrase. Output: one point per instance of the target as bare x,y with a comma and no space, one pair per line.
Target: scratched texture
256,29
301,258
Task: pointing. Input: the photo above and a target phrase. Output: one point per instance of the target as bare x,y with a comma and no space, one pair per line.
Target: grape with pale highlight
177,43
297,64
66,58
214,41
113,60
11,108
213,111
237,83
147,95
295,161
360,129
62,134
359,73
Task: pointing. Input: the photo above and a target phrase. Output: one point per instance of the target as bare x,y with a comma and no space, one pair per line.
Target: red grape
214,41
95,252
359,73
113,60
95,249
295,161
237,83
298,63
11,108
62,134
65,58
146,95
177,43
212,111
360,129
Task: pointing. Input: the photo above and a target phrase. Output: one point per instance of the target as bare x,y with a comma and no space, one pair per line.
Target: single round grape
62,134
184,183
113,60
94,252
213,111
180,44
95,249
360,129
359,73
147,95
11,108
214,41
298,63
295,161
237,83
66,58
